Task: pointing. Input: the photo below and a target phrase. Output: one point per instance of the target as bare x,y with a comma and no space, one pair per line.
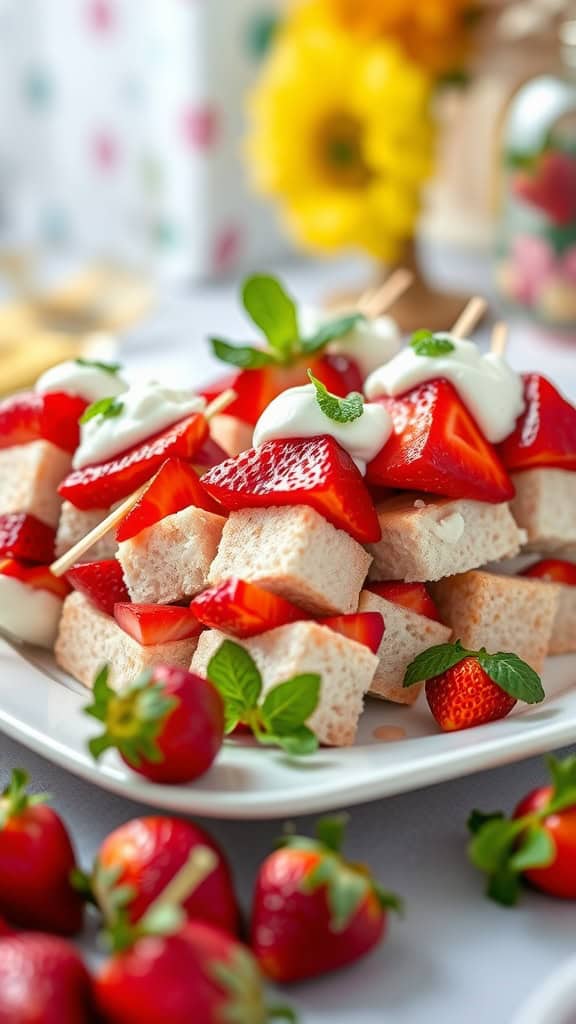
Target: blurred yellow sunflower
342,136
435,33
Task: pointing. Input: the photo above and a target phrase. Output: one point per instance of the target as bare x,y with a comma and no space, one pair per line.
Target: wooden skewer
499,338
470,316
67,560
375,302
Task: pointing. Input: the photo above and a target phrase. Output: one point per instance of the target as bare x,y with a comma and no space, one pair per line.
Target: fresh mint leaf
513,676
330,331
300,742
273,311
340,410
107,408
95,364
288,705
434,661
245,357
236,676
536,849
426,343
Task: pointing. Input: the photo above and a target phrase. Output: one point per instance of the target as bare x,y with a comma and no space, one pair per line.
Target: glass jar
536,241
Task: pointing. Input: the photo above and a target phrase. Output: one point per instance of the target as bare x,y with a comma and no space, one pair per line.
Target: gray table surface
454,957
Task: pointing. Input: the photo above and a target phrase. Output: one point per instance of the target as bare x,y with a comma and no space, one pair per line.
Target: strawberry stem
15,799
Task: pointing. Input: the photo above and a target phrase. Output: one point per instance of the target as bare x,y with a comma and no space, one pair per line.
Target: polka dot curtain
121,128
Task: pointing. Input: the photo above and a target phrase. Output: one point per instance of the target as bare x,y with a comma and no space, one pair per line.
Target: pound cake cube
232,434
88,639
169,561
345,667
563,639
500,613
29,479
406,635
545,507
425,539
294,552
75,523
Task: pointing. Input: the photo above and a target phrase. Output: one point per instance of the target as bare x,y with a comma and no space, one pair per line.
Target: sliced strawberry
26,538
175,486
31,417
553,570
436,447
305,471
100,486
364,627
37,576
101,582
210,454
243,609
150,624
545,433
413,596
255,389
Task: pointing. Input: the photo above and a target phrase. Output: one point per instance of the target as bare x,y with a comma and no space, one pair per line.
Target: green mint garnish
504,848
280,718
340,410
107,408
95,364
507,670
425,343
274,312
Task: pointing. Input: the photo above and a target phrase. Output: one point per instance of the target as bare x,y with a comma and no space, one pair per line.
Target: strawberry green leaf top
107,408
132,719
96,364
426,343
274,312
15,799
507,670
341,410
280,719
504,849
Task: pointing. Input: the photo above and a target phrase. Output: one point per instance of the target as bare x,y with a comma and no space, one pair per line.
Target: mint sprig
274,312
503,849
277,720
340,410
426,343
107,408
95,364
505,669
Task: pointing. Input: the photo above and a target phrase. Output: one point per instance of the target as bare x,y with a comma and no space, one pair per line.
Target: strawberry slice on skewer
103,484
412,596
243,609
308,471
545,434
101,582
151,624
176,486
437,448
26,538
51,417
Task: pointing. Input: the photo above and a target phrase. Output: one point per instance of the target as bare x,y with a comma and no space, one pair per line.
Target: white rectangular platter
41,707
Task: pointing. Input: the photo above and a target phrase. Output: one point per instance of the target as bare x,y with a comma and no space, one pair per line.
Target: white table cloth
455,957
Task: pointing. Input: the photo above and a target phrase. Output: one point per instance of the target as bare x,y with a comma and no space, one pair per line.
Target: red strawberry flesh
545,434
101,582
101,485
31,417
553,570
364,627
26,538
176,486
465,696
436,447
156,623
243,609
303,471
412,596
37,576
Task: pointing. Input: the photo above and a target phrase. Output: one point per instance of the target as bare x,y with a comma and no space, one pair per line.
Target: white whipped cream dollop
491,390
369,343
296,413
28,612
146,410
89,382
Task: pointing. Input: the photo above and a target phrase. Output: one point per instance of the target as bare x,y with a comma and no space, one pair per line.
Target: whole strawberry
43,981
168,725
138,860
467,688
200,975
538,844
36,863
313,911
